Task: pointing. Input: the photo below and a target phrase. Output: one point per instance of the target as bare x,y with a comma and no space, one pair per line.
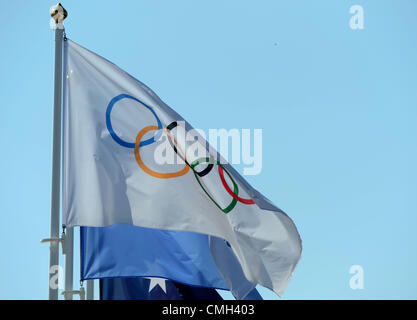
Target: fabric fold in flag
113,129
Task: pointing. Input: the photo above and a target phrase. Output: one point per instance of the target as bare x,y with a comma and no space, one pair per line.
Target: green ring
235,186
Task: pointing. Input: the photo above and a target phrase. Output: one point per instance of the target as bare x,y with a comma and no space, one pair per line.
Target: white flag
114,128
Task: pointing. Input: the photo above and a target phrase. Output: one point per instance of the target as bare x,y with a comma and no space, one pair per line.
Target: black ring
202,173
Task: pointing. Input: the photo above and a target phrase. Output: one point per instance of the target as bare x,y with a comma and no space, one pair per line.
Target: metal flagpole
90,289
58,13
69,263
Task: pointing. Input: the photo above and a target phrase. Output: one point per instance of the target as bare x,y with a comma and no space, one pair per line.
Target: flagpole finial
58,13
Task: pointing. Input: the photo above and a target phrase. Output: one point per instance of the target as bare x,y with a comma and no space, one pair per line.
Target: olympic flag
113,130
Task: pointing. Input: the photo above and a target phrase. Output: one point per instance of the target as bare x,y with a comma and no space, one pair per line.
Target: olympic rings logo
140,143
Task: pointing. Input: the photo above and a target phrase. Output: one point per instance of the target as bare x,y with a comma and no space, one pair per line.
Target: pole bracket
57,241
80,292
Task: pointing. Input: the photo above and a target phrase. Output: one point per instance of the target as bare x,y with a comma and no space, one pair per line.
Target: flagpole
69,263
90,289
56,154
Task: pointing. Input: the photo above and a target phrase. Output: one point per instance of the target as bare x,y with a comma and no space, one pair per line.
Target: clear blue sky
338,109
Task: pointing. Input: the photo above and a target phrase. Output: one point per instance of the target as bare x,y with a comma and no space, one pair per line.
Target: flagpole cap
58,13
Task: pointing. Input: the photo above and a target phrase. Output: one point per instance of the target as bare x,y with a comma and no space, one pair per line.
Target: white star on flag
157,282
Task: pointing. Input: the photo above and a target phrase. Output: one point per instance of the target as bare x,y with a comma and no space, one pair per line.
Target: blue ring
116,137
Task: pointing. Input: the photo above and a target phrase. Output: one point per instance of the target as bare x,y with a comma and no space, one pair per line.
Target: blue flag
128,251
124,251
152,289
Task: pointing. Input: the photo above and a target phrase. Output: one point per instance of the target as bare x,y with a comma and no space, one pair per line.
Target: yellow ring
149,171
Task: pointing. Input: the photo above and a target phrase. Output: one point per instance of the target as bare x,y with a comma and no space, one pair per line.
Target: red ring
229,191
